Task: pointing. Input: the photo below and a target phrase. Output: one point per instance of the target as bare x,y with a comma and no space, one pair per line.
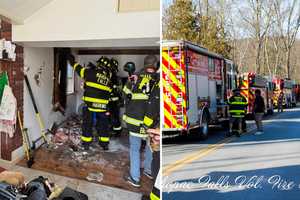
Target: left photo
79,99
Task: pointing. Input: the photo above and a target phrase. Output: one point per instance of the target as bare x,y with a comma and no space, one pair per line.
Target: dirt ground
68,161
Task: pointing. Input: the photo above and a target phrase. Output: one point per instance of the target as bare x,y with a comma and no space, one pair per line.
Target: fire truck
284,86
196,84
248,83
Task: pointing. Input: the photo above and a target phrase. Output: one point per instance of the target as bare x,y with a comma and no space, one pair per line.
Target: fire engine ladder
179,114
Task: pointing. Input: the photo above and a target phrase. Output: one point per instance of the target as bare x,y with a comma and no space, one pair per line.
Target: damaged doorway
67,159
63,77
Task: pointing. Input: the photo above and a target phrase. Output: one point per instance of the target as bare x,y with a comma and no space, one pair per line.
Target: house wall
82,20
15,75
34,58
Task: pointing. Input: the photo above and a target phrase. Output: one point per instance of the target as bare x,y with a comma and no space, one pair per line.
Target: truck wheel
204,130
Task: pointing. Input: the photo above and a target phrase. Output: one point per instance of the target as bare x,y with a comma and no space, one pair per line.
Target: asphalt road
251,167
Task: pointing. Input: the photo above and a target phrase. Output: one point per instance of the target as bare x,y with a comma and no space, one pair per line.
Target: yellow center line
167,170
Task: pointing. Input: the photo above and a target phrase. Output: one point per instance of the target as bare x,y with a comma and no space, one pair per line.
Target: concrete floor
94,191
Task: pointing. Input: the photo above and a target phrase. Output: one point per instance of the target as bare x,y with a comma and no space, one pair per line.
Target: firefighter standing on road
237,109
138,90
96,96
114,104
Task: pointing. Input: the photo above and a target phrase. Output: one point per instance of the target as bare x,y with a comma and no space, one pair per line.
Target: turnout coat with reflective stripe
152,114
97,87
237,105
115,94
136,107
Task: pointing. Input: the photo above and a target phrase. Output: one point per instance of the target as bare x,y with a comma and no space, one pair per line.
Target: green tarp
3,82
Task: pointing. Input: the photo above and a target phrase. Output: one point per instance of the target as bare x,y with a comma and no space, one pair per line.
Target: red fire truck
284,86
248,83
196,83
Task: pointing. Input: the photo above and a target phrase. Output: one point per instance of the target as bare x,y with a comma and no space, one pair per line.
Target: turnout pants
115,116
101,120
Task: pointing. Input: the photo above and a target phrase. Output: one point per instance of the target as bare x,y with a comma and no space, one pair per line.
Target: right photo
230,99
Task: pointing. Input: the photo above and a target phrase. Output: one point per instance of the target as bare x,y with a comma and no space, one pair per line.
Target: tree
179,21
182,21
288,21
257,15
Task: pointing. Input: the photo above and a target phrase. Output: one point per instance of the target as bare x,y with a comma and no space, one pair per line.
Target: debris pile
67,140
69,132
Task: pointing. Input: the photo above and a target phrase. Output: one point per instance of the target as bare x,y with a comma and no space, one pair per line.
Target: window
211,65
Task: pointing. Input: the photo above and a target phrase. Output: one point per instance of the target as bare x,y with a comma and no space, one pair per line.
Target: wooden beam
154,51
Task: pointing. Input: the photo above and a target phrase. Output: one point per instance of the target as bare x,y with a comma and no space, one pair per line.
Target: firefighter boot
86,146
104,145
117,133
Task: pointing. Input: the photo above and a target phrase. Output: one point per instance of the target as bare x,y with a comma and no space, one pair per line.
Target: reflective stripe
154,197
75,65
237,116
139,96
96,110
236,111
94,100
117,128
148,121
238,103
82,72
86,139
132,121
126,90
114,98
138,134
98,86
104,139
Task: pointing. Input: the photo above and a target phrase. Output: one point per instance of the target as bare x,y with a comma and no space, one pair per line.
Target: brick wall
16,80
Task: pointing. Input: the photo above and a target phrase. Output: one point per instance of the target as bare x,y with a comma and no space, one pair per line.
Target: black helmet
114,64
236,91
103,62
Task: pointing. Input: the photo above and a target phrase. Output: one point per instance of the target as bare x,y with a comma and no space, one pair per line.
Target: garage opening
58,91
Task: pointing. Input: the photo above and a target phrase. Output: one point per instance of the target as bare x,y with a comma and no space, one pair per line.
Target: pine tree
182,22
179,21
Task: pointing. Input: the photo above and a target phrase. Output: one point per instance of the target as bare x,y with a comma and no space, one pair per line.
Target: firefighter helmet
129,67
150,61
103,62
114,64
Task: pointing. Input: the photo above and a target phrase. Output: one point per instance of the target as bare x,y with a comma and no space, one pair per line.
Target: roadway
251,167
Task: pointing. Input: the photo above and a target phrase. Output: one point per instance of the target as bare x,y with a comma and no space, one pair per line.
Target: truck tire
204,129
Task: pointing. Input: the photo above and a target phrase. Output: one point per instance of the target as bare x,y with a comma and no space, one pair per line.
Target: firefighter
115,100
96,96
151,121
138,90
237,109
151,124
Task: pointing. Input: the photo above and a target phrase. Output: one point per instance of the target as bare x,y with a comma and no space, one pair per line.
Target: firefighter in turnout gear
137,91
237,110
97,89
115,99
152,122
